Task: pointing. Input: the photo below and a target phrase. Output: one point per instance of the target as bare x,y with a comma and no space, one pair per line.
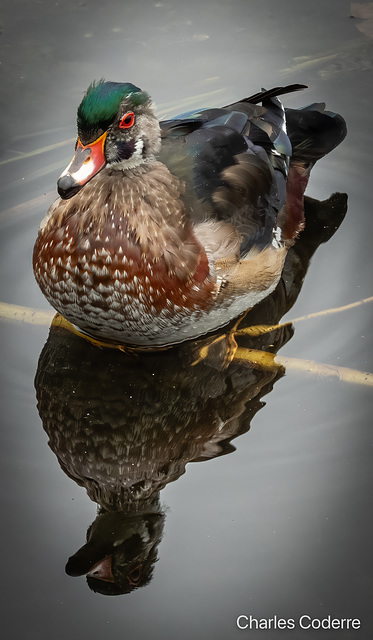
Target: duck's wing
233,161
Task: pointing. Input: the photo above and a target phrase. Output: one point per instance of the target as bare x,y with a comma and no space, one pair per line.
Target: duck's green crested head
117,129
101,102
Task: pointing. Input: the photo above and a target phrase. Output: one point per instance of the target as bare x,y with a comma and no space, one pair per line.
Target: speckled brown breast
113,280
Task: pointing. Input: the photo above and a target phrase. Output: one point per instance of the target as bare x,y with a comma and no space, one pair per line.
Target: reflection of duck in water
167,231
124,426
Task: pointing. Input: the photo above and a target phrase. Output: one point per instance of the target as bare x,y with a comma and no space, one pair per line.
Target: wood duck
165,231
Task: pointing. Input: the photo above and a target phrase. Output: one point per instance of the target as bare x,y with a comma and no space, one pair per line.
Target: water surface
273,517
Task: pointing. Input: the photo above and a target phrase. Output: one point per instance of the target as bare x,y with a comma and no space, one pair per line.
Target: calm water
274,515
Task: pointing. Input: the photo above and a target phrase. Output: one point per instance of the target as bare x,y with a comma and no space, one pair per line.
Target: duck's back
235,160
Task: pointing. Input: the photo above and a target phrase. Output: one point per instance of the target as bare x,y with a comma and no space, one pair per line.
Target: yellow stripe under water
259,329
270,361
17,313
261,359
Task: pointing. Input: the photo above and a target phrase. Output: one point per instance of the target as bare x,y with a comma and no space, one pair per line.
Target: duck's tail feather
265,94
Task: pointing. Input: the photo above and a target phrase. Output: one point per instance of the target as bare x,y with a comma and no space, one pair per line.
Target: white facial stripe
84,172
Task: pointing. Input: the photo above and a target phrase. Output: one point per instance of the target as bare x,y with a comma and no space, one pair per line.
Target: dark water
274,515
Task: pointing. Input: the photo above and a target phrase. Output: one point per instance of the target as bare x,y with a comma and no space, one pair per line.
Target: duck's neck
144,195
144,206
147,196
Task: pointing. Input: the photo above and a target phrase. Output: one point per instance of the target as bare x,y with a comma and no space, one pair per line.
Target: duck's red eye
127,121
134,576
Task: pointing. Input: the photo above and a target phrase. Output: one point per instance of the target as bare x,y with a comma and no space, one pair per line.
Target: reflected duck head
120,551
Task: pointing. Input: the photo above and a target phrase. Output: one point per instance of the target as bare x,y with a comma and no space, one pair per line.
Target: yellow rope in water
327,312
258,329
267,360
261,359
60,321
17,313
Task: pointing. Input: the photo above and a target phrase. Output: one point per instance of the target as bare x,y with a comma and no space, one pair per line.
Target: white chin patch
134,161
84,173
